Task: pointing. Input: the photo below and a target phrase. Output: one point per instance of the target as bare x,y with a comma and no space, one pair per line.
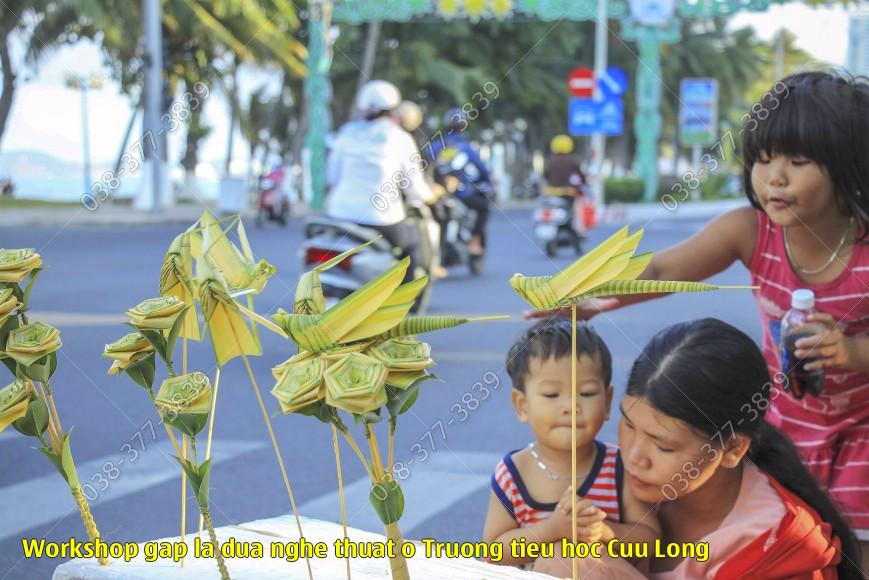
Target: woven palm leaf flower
176,279
301,384
31,342
14,399
356,383
156,313
184,402
403,354
8,304
16,264
126,351
406,359
610,269
278,371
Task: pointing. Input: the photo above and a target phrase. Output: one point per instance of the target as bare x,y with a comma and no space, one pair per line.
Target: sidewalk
186,214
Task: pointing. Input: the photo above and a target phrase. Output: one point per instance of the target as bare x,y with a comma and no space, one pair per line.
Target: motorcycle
326,238
456,235
273,204
459,217
554,221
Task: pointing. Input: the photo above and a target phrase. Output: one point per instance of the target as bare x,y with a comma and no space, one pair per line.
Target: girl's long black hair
713,377
821,116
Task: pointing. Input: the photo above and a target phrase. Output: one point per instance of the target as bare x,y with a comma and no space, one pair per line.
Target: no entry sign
580,82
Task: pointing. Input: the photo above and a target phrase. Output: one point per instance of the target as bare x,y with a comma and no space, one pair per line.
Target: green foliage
624,190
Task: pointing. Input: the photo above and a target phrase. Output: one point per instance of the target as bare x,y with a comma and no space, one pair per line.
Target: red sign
580,82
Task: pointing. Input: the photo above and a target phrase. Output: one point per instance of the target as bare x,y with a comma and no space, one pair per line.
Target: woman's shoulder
796,542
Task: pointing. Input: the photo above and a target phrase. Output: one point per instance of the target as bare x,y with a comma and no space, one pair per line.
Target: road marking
44,499
77,318
462,472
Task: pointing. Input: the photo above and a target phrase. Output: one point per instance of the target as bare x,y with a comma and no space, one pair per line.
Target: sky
46,116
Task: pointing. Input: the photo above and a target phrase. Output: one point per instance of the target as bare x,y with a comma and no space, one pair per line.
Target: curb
114,216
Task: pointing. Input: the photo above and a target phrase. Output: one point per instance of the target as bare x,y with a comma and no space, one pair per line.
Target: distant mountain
34,164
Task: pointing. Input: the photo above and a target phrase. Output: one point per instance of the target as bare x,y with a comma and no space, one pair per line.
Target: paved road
93,274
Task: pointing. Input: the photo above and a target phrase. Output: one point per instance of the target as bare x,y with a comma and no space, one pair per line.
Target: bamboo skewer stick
353,445
573,530
184,493
340,489
283,469
211,428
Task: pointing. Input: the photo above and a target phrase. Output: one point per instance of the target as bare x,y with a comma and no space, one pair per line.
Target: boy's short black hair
552,338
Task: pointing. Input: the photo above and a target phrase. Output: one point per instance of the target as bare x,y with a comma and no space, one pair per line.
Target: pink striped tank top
603,486
845,399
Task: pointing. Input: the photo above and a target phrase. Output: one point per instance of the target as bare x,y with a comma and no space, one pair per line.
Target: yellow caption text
345,548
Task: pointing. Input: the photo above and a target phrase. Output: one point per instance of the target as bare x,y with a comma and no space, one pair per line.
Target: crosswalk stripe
44,499
462,473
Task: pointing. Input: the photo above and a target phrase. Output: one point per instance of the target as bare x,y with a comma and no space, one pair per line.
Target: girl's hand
831,347
585,310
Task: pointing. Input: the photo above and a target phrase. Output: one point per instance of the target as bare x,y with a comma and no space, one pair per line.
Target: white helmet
376,96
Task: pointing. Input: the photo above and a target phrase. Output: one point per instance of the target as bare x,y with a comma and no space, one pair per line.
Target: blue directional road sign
698,113
581,116
587,116
613,83
610,116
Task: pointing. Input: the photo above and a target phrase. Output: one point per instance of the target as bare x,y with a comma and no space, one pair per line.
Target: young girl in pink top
806,158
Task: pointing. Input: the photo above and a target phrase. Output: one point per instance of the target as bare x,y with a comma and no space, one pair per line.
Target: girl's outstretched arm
713,249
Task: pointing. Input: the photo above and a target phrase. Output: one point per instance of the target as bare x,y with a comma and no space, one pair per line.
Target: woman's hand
831,347
585,310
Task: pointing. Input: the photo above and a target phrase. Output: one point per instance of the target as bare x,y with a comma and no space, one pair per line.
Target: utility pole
83,83
598,141
151,130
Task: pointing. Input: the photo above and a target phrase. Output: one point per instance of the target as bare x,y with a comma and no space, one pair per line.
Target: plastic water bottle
795,326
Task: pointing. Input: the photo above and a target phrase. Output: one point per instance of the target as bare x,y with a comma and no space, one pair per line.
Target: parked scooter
554,224
326,238
273,204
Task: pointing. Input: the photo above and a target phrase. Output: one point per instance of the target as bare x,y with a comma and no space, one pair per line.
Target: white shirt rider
371,163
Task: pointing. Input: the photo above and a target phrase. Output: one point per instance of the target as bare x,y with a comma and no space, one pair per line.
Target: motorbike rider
562,174
474,182
373,168
409,116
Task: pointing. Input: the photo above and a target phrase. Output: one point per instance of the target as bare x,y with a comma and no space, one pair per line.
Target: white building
858,42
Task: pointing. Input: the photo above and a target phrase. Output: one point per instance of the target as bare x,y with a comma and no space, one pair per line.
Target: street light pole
600,60
153,97
85,129
83,83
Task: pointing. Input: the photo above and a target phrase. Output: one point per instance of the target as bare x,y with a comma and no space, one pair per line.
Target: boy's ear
609,399
520,405
735,450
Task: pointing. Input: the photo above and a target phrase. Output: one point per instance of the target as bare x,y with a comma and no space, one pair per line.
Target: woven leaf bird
610,269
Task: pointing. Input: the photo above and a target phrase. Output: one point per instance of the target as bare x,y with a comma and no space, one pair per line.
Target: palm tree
42,24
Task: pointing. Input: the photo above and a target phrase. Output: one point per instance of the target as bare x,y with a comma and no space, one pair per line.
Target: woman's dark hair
552,338
704,372
821,116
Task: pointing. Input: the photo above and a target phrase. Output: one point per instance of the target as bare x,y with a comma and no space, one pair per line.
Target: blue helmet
455,118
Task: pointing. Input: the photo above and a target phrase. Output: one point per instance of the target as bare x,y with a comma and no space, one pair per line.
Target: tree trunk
191,153
8,82
370,53
234,107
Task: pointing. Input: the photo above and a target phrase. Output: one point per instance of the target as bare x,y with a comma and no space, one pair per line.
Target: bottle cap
803,299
